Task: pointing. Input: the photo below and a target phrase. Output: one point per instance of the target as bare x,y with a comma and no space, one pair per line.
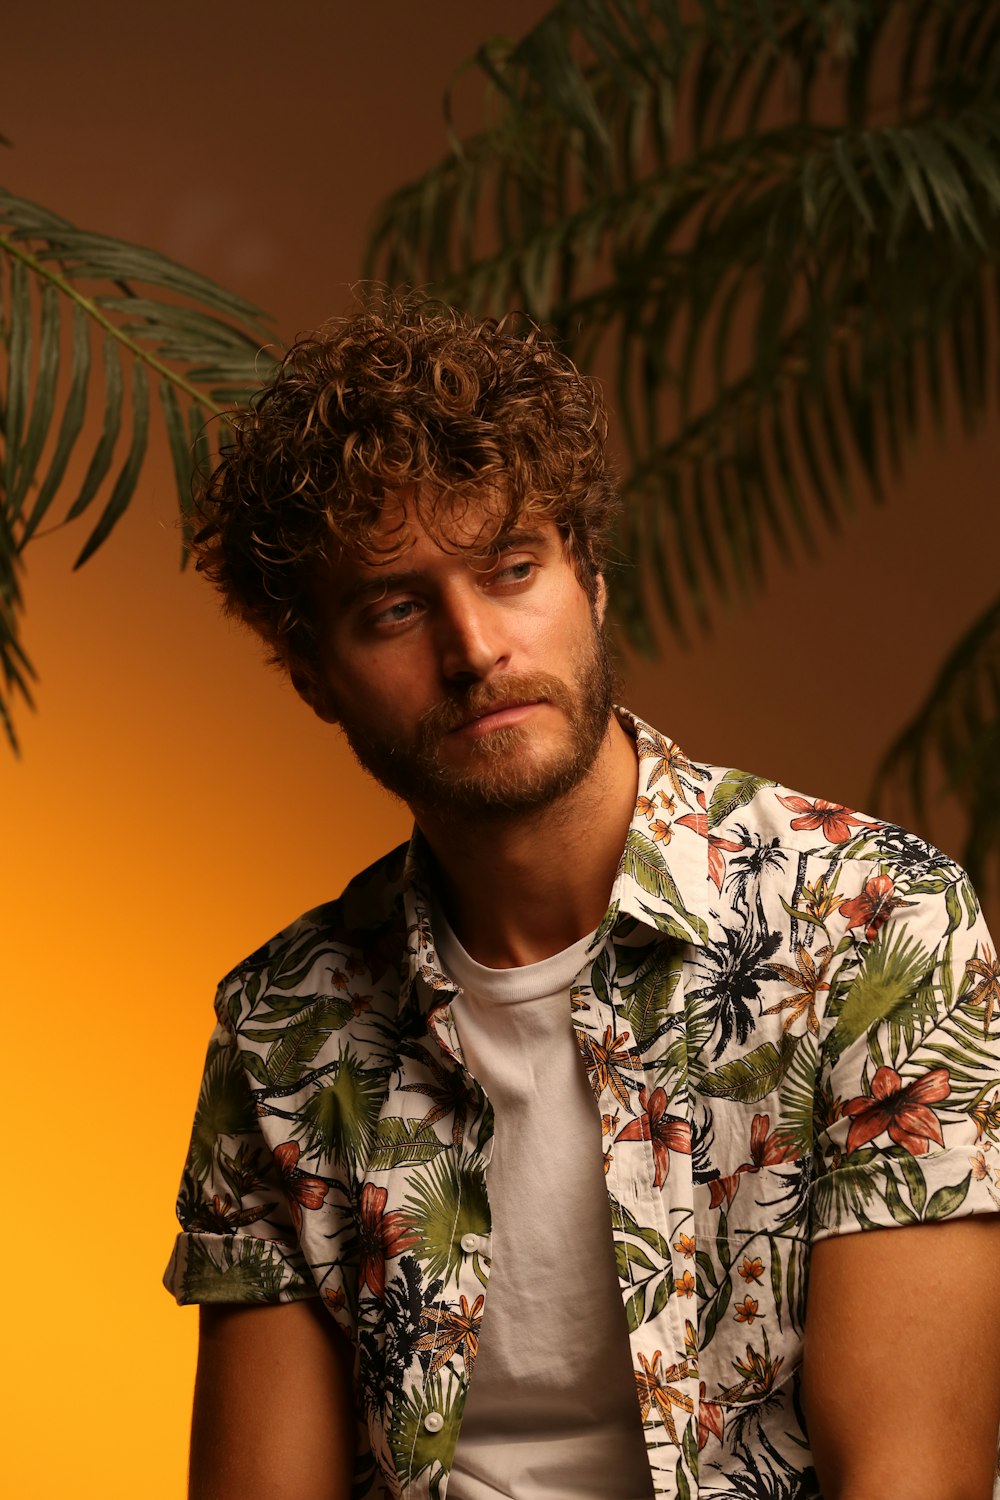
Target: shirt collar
662,878
663,875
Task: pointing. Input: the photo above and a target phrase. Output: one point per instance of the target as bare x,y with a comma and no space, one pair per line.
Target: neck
519,889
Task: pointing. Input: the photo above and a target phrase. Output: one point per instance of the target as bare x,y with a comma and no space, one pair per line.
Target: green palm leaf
773,225
339,1118
225,1107
445,1202
63,290
954,739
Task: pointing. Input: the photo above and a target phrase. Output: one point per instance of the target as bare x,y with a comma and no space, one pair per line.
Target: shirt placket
646,1234
431,1483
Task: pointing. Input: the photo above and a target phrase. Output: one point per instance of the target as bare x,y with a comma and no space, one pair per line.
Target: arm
273,1414
901,1372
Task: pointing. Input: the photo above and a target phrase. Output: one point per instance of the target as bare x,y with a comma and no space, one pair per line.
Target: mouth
501,716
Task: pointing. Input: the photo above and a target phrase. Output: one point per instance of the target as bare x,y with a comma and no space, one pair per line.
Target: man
532,1167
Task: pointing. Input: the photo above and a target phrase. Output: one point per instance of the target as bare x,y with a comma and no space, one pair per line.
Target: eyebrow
384,582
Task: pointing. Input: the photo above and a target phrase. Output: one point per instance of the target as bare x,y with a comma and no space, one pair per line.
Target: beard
502,775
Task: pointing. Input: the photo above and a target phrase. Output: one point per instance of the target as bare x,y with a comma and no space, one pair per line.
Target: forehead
419,531
457,521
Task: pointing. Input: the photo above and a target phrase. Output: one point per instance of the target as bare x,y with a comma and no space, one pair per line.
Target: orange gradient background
175,803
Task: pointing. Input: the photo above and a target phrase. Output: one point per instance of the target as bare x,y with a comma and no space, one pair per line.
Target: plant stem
17,252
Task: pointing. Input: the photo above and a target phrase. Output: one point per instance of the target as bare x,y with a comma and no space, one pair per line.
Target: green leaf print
399,1142
646,1005
776,1274
600,977
953,907
289,969
225,1107
254,1065
660,1297
294,1047
894,1201
340,1117
445,1202
625,1222
750,1079
629,1258
644,863
894,968
914,1179
254,1274
416,1447
689,1448
971,902
716,1310
736,789
947,1199
704,1263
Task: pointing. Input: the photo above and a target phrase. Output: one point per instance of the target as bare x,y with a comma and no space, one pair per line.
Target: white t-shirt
552,1409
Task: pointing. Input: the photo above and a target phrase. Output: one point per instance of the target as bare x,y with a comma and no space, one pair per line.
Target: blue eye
395,614
518,572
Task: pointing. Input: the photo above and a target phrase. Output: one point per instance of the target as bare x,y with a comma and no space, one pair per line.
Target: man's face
468,680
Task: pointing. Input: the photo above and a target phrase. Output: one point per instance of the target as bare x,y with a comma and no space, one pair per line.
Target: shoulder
335,949
878,902
748,808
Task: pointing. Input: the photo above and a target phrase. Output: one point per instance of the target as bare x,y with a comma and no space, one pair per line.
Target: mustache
488,697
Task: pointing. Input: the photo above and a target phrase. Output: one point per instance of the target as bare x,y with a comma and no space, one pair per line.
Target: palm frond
64,291
859,252
953,740
772,226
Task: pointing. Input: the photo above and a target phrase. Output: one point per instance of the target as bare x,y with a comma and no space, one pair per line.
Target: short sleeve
238,1240
907,1122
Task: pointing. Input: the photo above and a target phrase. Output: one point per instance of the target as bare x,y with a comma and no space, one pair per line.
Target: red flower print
698,822
710,1418
383,1236
832,817
903,1112
666,1133
766,1150
873,907
725,1187
301,1190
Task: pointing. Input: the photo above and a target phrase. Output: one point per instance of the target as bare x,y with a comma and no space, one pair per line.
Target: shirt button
470,1243
434,1421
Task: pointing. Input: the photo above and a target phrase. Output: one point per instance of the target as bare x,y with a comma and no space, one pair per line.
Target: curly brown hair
405,397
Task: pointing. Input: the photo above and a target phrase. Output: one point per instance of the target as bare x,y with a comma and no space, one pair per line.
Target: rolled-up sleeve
907,1122
238,1240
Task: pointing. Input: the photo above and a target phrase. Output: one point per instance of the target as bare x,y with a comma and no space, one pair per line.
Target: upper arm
901,1370
273,1413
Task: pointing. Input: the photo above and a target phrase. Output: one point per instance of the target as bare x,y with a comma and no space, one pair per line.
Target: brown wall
175,803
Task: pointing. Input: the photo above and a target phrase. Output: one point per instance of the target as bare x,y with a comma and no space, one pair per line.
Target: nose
471,640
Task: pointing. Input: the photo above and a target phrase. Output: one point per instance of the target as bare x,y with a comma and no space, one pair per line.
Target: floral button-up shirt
790,1018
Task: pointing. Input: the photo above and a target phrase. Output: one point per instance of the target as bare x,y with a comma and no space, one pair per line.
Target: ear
314,694
601,599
